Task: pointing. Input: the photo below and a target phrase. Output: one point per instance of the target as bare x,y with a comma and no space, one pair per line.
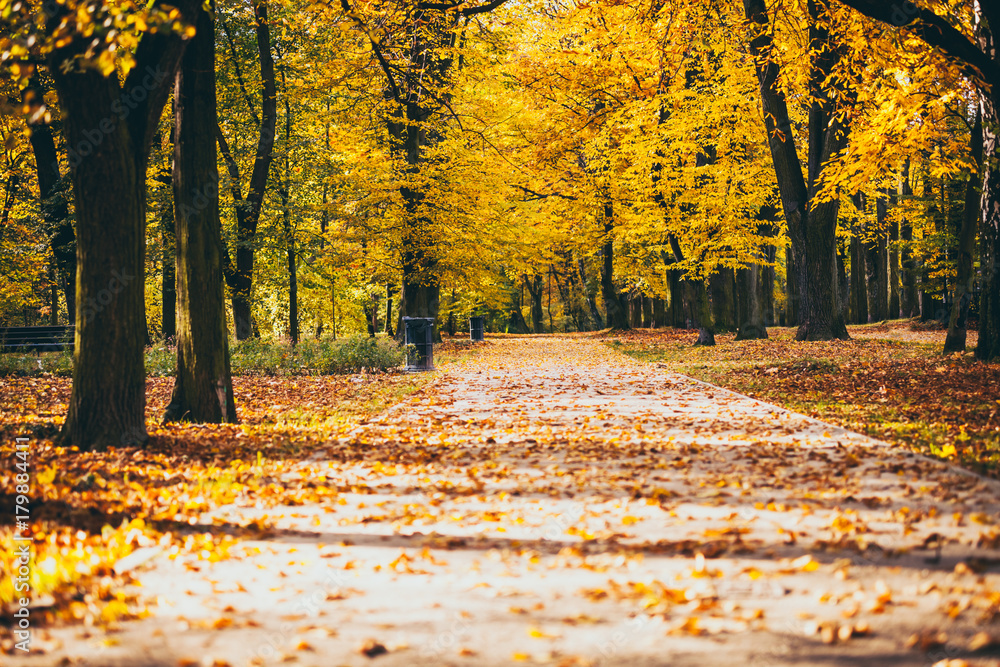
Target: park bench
38,339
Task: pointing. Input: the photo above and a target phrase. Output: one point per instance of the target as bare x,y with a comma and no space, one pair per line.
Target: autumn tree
812,222
416,46
976,52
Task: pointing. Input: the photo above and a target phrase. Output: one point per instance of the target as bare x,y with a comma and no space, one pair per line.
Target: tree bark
596,321
750,305
811,225
659,312
52,198
894,307
988,347
965,279
286,224
517,324
877,266
697,296
239,276
615,310
203,387
390,293
859,273
722,283
536,290
909,303
168,282
678,310
109,128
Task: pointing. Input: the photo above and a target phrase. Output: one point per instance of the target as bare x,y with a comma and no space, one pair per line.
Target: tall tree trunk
697,295
617,314
877,266
390,293
988,347
633,302
53,295
203,388
168,262
750,310
286,223
536,289
53,200
812,226
722,283
109,129
909,302
859,279
168,255
894,308
596,321
955,340
767,274
517,323
678,310
793,300
239,276
659,312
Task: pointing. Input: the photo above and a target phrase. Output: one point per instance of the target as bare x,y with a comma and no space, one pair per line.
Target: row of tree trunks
723,285
615,309
536,289
107,403
980,60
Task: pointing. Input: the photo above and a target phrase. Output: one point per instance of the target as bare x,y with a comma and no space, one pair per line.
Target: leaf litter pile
548,501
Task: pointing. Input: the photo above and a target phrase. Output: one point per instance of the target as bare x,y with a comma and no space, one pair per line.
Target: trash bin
476,328
419,334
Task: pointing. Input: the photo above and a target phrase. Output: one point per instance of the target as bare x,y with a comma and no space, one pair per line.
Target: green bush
347,355
161,359
37,363
254,356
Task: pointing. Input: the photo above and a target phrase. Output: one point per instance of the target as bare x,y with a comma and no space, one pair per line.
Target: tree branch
376,49
239,74
934,30
535,196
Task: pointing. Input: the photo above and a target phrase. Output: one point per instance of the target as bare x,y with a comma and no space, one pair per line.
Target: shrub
347,355
254,356
37,363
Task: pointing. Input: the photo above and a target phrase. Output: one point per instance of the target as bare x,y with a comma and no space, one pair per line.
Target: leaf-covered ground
551,501
890,381
89,510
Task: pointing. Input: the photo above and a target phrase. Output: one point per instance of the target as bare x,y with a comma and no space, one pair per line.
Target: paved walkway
555,502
